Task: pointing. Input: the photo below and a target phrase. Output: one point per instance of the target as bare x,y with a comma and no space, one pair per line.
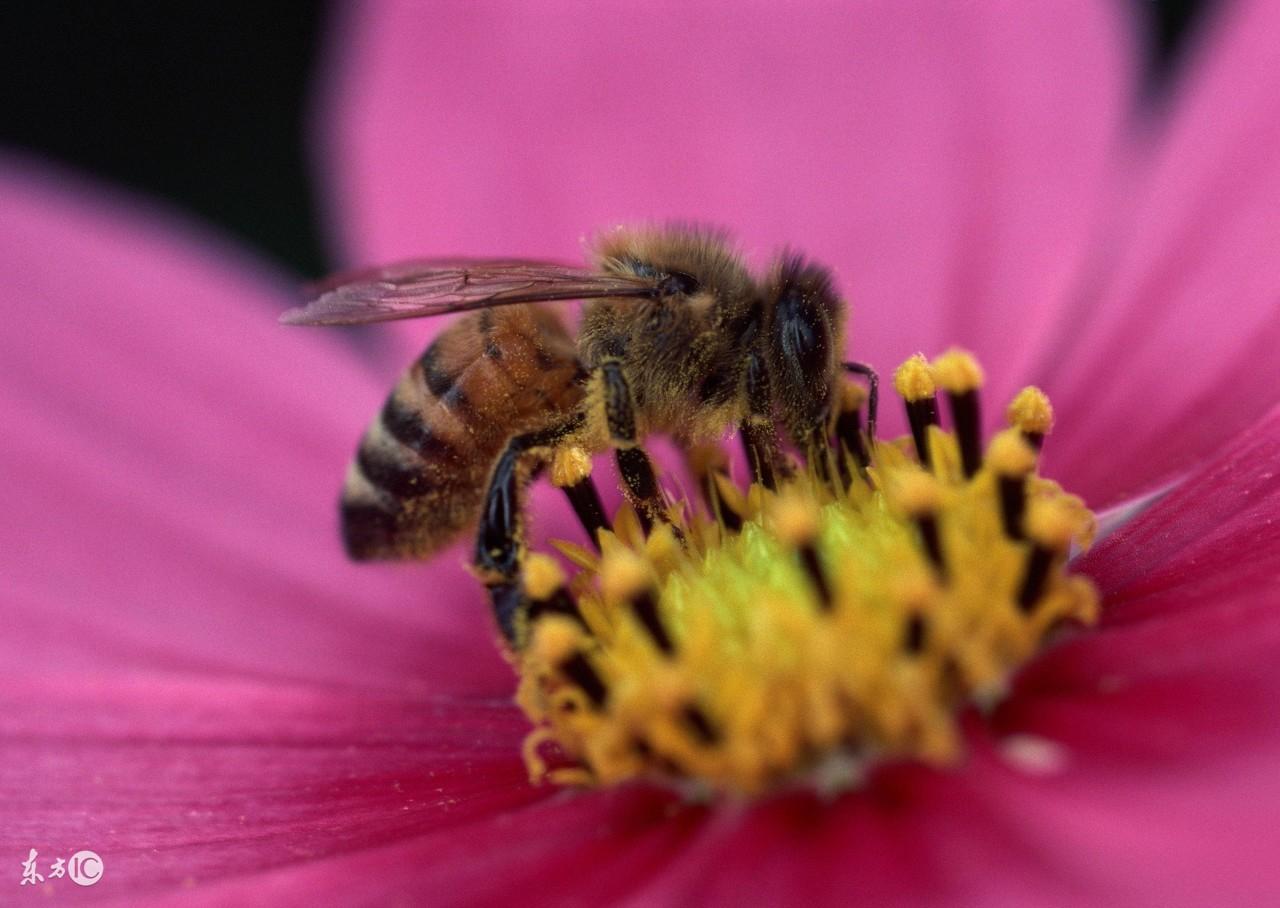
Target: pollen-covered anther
626,578
1050,525
919,496
960,376
1031,414
1012,459
916,384
795,519
821,625
556,654
542,577
914,380
547,592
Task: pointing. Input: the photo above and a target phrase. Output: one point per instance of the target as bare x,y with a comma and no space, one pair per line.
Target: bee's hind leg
499,553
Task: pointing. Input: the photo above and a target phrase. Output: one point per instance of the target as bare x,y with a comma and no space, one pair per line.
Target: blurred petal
173,462
183,782
594,848
945,158
988,835
1171,346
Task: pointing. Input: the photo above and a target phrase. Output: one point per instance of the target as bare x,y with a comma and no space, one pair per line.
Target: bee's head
805,317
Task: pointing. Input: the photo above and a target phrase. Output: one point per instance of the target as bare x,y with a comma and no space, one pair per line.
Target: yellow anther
569,466
917,492
832,625
794,519
1052,523
1010,455
623,574
730,495
957,371
914,589
914,379
542,576
554,638
1030,411
662,547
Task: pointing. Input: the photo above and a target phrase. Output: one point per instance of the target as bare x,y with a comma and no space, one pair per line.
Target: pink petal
178,782
173,461
987,835
580,849
1171,345
1217,525
946,162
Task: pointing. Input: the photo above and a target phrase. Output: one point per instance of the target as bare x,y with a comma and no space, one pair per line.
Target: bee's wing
421,288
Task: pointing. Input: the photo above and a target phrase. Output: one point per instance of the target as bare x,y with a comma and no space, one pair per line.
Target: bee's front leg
759,438
641,484
873,394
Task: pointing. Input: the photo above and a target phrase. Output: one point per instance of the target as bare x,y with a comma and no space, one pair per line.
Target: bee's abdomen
419,475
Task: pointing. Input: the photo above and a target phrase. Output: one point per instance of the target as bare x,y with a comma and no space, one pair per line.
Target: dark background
205,104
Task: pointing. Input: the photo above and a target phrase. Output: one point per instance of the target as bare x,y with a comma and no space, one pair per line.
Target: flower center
802,633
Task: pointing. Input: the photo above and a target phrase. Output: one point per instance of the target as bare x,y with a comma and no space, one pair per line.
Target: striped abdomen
420,472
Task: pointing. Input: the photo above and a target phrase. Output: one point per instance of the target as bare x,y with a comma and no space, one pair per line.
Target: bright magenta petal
595,849
1218,526
989,835
181,783
1172,345
172,461
945,160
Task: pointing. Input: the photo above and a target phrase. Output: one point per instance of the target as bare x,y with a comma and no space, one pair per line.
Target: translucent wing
422,288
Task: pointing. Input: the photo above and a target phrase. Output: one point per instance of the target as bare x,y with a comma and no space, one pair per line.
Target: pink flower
197,686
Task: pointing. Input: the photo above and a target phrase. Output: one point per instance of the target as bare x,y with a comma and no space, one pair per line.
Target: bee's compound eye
678,283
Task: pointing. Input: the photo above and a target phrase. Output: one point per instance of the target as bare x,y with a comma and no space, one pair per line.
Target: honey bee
676,337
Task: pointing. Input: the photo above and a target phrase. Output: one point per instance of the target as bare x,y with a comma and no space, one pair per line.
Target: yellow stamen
914,379
1030,412
845,623
1010,455
542,576
957,372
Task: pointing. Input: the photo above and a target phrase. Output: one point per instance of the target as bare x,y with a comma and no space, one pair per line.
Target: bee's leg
851,445
873,394
499,550
758,437
633,463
